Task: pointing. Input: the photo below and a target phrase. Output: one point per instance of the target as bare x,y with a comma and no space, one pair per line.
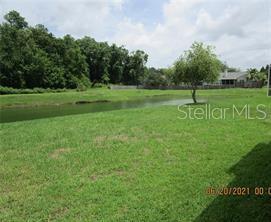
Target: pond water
38,112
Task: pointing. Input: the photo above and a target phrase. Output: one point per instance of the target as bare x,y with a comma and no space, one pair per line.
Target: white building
232,78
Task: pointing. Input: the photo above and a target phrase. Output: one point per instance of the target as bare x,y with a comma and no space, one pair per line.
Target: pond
38,112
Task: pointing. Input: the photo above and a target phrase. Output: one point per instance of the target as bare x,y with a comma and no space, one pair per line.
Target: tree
262,69
16,20
252,73
52,50
255,75
169,74
14,39
154,78
74,63
33,57
97,57
134,67
199,64
118,56
265,70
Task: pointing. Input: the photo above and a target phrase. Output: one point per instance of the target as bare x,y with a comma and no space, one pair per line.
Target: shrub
10,90
154,78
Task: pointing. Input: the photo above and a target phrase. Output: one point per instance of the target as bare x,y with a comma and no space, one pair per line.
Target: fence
122,87
208,86
249,84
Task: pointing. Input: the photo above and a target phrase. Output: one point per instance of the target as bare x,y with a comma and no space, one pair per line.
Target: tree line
33,57
171,76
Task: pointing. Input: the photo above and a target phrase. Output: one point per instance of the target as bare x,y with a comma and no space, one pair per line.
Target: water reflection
29,113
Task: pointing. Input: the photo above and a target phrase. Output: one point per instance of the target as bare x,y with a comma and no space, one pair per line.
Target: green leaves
155,78
14,19
198,64
256,75
32,57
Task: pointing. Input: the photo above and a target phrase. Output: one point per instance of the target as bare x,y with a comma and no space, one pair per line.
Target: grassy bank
137,164
97,94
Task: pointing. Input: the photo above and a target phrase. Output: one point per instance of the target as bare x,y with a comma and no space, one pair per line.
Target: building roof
231,75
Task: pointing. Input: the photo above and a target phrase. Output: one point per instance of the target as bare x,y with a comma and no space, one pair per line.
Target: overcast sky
239,29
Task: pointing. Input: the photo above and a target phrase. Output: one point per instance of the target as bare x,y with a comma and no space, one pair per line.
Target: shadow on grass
253,170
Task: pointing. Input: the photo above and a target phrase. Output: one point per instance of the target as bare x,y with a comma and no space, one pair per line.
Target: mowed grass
73,96
137,165
97,94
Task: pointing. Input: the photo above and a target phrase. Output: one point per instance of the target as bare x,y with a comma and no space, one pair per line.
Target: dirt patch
99,139
122,138
58,213
122,210
94,177
119,172
58,152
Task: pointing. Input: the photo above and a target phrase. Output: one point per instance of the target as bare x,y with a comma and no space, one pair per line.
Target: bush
99,85
39,90
81,87
82,84
154,78
9,90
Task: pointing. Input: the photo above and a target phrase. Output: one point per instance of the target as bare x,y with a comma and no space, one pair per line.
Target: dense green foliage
32,57
255,75
199,64
265,70
155,78
122,166
9,90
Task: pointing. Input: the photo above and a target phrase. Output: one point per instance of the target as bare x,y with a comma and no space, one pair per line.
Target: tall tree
33,57
74,62
134,67
54,50
97,57
117,63
15,20
198,64
154,78
255,75
13,42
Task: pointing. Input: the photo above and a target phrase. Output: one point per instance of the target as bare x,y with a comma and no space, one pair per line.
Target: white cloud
78,18
240,29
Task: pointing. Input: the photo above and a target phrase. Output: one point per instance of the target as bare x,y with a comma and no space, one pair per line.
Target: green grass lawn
97,94
137,164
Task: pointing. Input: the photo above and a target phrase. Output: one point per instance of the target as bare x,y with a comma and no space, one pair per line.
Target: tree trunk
194,94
